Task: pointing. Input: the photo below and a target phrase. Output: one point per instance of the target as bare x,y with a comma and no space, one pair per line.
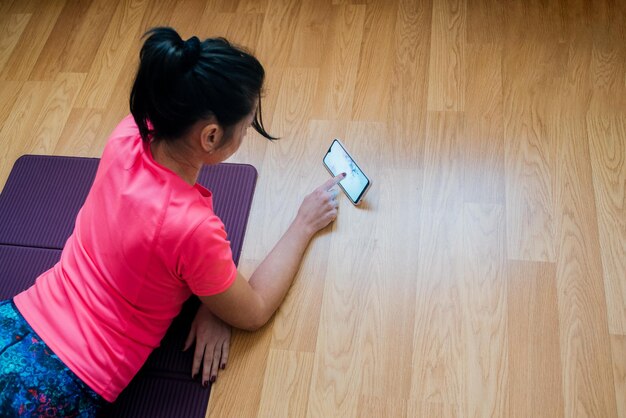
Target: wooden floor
485,275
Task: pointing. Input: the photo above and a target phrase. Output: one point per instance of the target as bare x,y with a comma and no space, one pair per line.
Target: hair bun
191,52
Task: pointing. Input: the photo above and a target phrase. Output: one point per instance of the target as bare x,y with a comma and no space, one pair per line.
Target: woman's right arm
250,304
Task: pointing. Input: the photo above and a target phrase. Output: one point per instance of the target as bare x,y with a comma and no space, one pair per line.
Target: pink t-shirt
143,242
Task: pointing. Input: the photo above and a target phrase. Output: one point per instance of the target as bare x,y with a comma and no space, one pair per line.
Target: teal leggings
34,382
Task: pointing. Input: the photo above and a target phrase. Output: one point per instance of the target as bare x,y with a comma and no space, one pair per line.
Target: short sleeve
206,261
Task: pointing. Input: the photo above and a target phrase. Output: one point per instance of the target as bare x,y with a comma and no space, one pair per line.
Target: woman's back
142,244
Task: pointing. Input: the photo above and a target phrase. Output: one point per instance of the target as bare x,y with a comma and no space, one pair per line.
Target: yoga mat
20,266
156,396
43,194
41,198
38,206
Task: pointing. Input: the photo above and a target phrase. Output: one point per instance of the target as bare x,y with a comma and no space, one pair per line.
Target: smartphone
337,161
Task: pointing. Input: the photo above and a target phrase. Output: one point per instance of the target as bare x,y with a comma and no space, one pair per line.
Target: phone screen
338,161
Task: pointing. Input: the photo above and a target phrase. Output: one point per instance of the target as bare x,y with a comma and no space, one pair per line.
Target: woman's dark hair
181,82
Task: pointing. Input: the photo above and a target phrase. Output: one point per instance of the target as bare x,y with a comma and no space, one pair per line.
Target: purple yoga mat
43,194
38,206
41,198
19,266
156,396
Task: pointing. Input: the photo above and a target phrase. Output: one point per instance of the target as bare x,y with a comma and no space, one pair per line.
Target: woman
147,238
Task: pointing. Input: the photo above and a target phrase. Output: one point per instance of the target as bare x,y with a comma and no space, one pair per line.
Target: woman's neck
180,161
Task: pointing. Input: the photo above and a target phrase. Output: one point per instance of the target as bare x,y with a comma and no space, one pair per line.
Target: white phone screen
339,161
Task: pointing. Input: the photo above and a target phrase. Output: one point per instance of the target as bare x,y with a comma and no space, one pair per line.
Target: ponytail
181,82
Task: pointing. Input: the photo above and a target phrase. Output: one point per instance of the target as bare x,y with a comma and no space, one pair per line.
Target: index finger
332,182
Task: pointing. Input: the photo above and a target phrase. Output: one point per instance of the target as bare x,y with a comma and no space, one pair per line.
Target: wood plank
21,119
543,17
437,342
276,37
371,98
310,34
607,146
483,297
363,139
5,6
37,118
54,113
571,92
294,104
287,161
117,106
248,356
217,23
608,73
386,330
437,347
484,161
443,186
338,368
446,79
159,13
11,29
578,19
431,409
81,132
32,40
618,349
389,315
286,384
252,6
122,33
187,16
84,43
535,381
295,325
52,59
485,22
380,407
25,6
484,145
608,55
222,6
584,338
232,395
296,321
406,117
10,91
244,29
335,93
529,155
572,89
484,81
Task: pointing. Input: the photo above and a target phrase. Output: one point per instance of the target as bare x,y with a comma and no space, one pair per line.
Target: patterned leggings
33,380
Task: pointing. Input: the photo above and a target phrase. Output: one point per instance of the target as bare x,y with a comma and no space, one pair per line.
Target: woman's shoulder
122,147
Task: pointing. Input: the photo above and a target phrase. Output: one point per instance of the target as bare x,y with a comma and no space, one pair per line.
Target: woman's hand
212,340
319,208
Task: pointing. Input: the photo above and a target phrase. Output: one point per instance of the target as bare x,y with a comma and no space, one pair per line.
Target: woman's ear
211,137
